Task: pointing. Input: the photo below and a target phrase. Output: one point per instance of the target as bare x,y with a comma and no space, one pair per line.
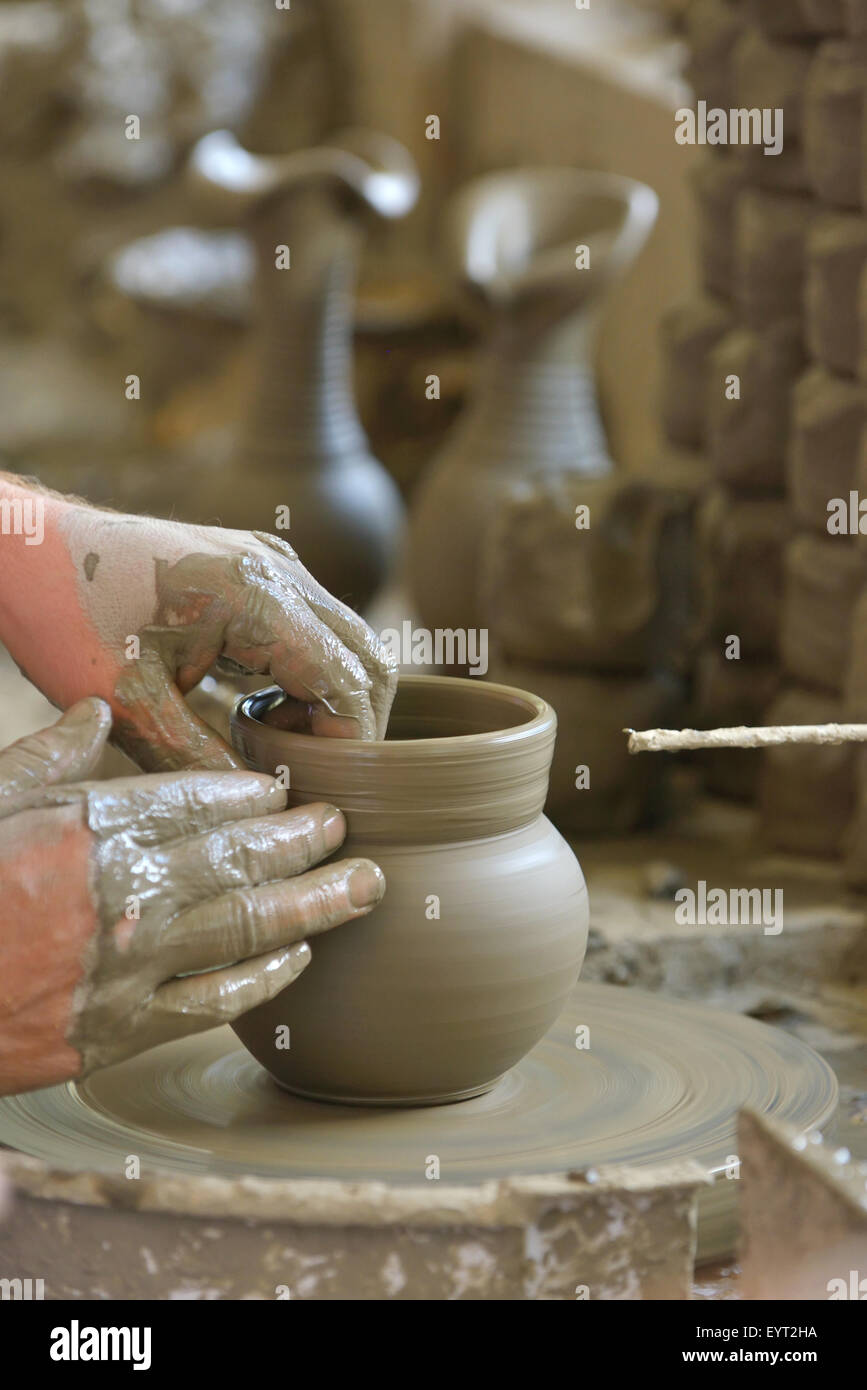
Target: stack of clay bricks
731,357
840,280
586,592
808,795
769,359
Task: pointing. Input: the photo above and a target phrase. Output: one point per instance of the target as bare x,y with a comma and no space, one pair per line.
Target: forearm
35,573
45,565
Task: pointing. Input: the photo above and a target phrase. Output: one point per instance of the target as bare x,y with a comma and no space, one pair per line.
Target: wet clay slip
472,954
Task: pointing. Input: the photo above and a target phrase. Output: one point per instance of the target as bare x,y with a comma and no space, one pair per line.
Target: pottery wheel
662,1080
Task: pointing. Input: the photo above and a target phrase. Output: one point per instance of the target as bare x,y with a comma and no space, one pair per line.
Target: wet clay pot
479,940
302,446
513,239
621,792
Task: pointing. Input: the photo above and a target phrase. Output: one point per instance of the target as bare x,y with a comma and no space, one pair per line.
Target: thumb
66,752
155,726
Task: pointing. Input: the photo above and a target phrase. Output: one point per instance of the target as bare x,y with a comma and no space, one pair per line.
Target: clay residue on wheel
661,1084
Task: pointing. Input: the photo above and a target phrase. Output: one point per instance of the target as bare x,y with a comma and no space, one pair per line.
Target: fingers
340,686
295,716
324,725
251,852
252,921
155,726
315,667
315,661
66,752
155,810
205,1001
363,641
353,631
298,717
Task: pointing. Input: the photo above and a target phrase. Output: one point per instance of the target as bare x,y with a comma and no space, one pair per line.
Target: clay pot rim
542,720
502,278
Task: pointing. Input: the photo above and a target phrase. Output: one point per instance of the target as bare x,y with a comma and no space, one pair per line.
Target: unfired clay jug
515,239
302,446
471,955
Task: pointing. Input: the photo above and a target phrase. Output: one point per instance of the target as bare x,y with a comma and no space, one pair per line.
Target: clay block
855,843
856,512
856,675
833,120
740,546
685,471
716,182
824,577
828,415
770,255
712,29
747,437
806,792
785,172
592,712
856,17
803,1208
730,693
862,322
824,16
689,331
836,255
609,596
768,75
787,19
618,1233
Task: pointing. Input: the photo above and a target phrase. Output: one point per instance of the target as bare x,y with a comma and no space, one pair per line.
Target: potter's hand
116,896
136,610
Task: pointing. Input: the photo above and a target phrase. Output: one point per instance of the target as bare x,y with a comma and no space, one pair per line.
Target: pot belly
448,983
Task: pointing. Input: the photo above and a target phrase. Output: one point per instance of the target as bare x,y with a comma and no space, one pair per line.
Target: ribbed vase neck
304,405
536,401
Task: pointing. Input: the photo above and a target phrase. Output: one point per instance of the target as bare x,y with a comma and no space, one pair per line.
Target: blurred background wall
512,82
111,266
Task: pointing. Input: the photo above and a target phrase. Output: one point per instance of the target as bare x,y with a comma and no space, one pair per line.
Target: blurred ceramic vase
475,948
539,247
303,465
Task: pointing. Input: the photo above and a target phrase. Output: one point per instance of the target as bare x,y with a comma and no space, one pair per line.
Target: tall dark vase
302,446
514,239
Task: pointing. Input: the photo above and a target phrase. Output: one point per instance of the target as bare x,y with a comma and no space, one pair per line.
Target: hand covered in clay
136,610
142,909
